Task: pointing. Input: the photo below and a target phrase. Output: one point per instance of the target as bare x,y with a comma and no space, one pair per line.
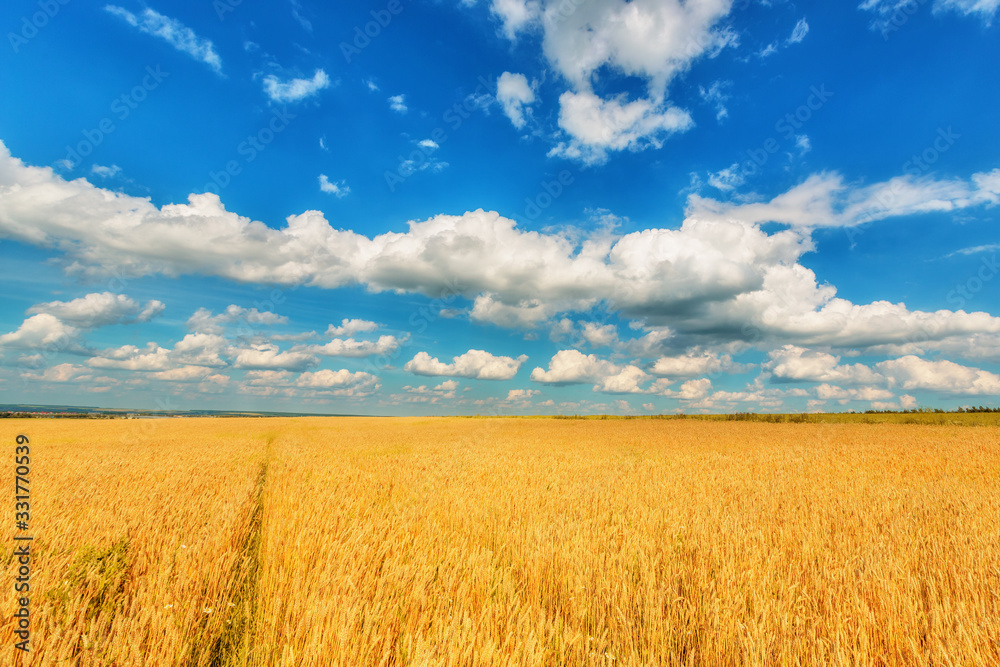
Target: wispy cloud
173,32
799,32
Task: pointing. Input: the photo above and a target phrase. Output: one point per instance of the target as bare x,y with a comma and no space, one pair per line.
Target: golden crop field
358,542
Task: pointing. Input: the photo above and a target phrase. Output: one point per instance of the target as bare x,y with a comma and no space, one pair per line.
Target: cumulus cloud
339,383
203,321
99,310
795,364
171,31
40,331
692,390
425,394
267,356
516,96
597,126
351,327
349,347
521,394
718,277
653,40
574,367
831,392
182,374
477,364
61,373
693,362
911,372
294,90
196,349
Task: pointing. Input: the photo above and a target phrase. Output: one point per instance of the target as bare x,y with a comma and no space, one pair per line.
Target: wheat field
358,542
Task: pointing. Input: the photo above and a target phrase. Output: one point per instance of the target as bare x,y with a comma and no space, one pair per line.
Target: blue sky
500,206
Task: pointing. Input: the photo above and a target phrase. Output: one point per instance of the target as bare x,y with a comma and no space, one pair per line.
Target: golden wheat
357,542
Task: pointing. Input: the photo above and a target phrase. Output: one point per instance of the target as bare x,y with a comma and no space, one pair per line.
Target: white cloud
574,367
803,144
911,372
828,392
267,356
182,374
349,347
398,103
598,125
173,32
521,394
692,390
717,277
477,364
727,179
524,313
796,364
294,90
985,9
105,171
40,331
600,335
340,383
425,394
338,189
691,363
654,40
100,310
203,321
799,32
131,358
197,349
350,327
516,14
61,373
627,380
515,94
